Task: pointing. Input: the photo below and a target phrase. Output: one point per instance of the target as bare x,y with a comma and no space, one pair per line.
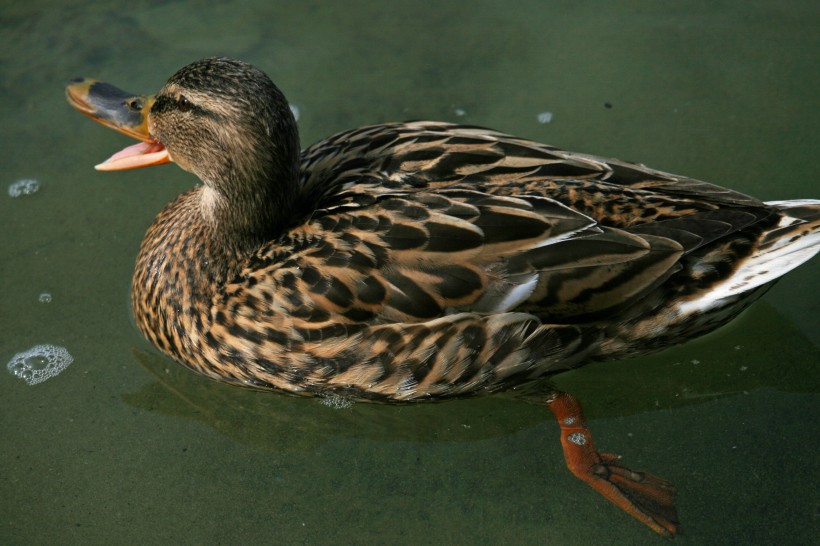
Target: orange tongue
143,154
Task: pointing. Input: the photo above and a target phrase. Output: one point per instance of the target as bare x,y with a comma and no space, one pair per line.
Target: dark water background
125,447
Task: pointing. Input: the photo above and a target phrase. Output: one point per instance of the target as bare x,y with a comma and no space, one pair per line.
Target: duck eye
183,103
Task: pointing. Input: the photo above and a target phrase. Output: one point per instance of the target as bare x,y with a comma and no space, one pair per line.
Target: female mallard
424,260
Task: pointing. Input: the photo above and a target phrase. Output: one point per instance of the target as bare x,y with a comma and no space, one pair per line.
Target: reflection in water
675,378
281,423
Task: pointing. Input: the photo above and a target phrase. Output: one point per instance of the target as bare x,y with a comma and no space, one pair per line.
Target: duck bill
144,154
124,112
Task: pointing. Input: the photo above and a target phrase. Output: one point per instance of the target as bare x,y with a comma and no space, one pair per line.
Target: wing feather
440,259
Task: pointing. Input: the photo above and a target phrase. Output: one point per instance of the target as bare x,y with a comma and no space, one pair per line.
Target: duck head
226,122
221,119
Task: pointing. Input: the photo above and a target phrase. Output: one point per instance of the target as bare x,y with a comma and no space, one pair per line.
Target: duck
412,261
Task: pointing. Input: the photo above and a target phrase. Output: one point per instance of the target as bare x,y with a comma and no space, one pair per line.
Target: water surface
126,447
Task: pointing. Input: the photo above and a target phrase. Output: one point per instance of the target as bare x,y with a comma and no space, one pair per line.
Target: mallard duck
420,261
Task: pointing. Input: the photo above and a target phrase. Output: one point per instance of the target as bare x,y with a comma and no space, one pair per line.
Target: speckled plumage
425,260
390,280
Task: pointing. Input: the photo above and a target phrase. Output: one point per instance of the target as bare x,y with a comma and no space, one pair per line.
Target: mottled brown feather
424,260
418,260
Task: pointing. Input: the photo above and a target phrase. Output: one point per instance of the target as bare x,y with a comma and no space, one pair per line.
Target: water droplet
45,297
544,117
460,112
39,363
577,438
24,186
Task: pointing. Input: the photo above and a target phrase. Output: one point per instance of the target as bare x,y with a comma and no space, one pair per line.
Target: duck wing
490,259
434,155
417,256
501,223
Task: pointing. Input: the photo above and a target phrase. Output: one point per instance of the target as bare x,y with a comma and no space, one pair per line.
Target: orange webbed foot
645,497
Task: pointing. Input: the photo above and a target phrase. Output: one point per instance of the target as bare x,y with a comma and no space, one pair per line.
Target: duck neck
249,200
245,219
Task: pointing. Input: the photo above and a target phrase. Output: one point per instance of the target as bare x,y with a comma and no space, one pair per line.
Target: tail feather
790,243
795,240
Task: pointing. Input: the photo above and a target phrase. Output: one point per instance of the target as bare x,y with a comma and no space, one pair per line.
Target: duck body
426,260
446,261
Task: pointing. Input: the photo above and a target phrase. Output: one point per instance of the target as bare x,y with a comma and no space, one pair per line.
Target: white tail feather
779,255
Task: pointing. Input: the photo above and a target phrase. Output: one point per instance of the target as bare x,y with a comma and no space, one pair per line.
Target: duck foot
643,496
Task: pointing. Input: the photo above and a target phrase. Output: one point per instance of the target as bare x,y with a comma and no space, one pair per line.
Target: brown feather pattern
419,260
390,282
424,260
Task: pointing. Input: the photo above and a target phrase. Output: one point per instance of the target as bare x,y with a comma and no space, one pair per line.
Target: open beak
127,113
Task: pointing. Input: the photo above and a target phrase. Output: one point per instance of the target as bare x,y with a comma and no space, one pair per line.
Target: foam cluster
25,186
39,363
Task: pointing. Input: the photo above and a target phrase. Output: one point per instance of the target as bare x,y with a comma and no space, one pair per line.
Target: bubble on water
544,117
24,186
336,401
460,112
39,363
45,297
295,110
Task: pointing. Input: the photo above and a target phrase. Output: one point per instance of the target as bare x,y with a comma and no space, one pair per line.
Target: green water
125,447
